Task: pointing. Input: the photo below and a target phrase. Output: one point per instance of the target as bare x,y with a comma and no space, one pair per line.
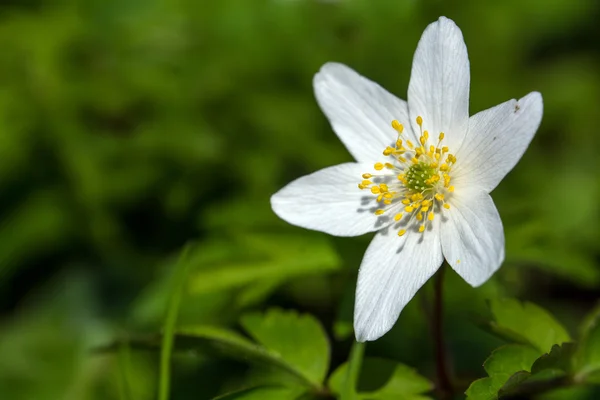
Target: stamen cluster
420,179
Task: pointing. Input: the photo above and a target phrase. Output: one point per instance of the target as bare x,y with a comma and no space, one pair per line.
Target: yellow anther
419,120
445,149
401,232
408,209
432,149
426,135
366,182
379,212
401,159
441,135
422,140
446,206
430,216
444,167
451,189
422,228
360,186
375,189
439,196
437,156
378,166
387,202
406,201
367,176
414,160
399,144
389,166
397,126
380,197
410,144
383,187
388,195
451,158
398,217
388,150
425,209
419,216
425,203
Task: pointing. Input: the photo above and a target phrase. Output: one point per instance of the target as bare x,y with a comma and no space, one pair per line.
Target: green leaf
271,258
587,359
223,342
549,371
299,340
526,323
382,379
169,327
263,393
500,366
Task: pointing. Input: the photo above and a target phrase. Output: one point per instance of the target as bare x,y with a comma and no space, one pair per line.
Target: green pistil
417,175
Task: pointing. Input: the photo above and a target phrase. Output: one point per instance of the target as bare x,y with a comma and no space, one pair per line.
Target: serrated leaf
382,379
559,358
263,393
298,339
547,372
527,322
500,366
274,258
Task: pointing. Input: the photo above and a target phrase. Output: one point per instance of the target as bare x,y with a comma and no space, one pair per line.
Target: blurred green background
129,128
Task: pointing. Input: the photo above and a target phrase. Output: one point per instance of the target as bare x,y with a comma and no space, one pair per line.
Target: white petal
496,140
472,236
392,271
439,83
330,201
360,111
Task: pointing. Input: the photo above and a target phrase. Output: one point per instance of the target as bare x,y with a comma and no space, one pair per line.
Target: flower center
419,182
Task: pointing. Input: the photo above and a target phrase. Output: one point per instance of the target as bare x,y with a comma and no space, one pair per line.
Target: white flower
427,194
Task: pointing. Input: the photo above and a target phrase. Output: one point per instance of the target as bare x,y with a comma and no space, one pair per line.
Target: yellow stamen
401,232
378,166
398,217
379,212
419,120
430,216
397,126
421,228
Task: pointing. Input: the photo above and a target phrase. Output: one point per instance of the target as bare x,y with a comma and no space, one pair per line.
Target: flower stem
444,385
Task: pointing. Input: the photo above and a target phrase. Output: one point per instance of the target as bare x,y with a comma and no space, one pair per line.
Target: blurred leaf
500,366
382,379
587,359
263,393
526,323
298,339
169,325
282,257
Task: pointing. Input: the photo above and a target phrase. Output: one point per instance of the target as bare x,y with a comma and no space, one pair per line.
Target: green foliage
521,370
268,258
526,323
129,127
298,339
382,379
500,366
263,393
